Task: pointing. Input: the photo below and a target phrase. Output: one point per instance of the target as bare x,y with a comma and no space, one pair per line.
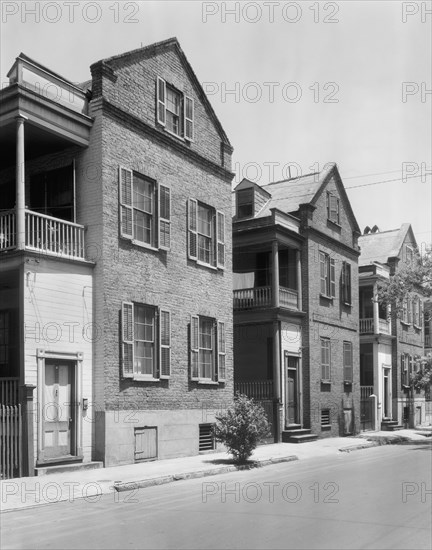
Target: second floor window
327,276
325,359
145,210
206,234
175,110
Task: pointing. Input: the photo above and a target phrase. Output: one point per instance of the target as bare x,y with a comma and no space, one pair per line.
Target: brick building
116,257
296,343
391,341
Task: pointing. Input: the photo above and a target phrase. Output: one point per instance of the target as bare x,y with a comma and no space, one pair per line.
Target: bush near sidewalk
241,427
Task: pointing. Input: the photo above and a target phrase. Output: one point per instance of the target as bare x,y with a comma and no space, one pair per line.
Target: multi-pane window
346,283
245,202
409,254
207,349
325,359
206,234
417,312
175,110
327,276
333,208
146,341
348,361
145,210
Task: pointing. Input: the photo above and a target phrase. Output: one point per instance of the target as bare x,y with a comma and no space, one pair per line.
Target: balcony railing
9,391
258,389
45,234
367,326
261,296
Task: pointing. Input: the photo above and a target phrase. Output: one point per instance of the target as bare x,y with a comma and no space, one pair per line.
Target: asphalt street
374,498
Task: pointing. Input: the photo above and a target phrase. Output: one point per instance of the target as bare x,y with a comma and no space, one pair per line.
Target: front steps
62,468
391,426
296,434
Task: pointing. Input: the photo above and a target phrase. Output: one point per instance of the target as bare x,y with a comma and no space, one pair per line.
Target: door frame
387,373
76,437
299,386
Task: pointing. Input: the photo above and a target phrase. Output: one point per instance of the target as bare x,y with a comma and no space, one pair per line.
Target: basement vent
325,417
206,439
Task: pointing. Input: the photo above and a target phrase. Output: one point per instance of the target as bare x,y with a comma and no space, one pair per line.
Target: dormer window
333,208
175,110
245,203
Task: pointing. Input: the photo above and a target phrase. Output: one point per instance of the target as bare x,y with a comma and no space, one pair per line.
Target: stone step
391,426
287,434
62,468
304,438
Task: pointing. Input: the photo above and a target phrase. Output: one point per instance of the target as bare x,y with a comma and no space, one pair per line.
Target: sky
295,84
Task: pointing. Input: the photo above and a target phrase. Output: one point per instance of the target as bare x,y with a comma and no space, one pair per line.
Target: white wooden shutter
192,229
332,278
323,270
334,208
220,236
221,365
189,118
127,329
164,343
164,217
125,196
161,100
421,313
194,347
348,361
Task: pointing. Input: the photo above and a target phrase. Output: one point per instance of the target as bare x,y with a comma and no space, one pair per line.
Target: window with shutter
143,329
325,359
194,347
145,212
206,234
164,217
127,339
333,208
221,352
346,283
165,343
348,362
174,110
327,276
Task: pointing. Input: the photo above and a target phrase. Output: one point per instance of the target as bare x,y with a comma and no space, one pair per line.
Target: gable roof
157,48
288,195
380,246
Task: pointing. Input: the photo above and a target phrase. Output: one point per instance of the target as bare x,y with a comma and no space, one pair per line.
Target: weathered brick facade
124,103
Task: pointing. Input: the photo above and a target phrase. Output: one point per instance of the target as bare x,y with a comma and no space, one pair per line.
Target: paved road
373,498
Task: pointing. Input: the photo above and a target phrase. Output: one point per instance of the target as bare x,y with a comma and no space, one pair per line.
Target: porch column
375,310
275,274
299,280
276,380
20,184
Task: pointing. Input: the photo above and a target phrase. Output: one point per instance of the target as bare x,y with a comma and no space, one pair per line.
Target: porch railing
366,391
44,233
367,326
9,391
261,296
248,298
258,389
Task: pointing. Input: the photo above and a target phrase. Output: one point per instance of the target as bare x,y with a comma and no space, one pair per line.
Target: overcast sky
311,82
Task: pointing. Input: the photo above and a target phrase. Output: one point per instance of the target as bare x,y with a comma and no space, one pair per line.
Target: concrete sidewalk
91,484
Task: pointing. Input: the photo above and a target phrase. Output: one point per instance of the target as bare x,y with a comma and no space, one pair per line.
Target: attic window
174,110
333,208
245,203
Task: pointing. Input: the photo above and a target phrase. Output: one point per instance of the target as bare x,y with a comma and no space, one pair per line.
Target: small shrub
241,427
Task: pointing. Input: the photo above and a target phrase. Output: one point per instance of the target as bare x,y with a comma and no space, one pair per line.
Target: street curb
358,447
133,485
396,440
